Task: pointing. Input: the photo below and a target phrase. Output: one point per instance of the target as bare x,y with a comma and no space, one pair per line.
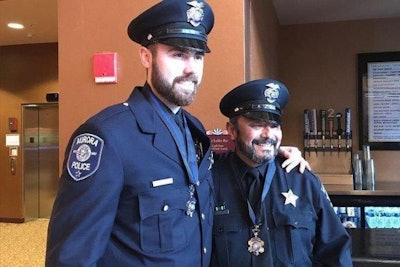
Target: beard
250,152
170,92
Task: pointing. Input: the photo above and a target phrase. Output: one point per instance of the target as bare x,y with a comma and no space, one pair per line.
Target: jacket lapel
199,136
149,122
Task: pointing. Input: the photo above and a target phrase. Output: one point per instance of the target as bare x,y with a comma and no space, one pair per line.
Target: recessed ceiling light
14,25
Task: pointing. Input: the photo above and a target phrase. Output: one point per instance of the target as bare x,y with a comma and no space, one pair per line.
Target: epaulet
110,111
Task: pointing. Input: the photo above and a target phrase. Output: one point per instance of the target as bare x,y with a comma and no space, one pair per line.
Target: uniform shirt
123,193
299,226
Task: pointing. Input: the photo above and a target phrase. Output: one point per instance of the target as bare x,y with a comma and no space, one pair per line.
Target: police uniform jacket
126,205
302,232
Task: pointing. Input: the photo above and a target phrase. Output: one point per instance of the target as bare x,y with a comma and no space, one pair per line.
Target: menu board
383,95
379,100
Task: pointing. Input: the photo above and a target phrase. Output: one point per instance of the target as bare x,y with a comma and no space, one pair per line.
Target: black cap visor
186,43
264,116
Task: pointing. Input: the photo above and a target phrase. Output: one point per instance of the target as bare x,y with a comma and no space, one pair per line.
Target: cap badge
272,92
195,14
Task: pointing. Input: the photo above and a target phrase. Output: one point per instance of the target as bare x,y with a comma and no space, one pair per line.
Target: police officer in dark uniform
265,216
136,186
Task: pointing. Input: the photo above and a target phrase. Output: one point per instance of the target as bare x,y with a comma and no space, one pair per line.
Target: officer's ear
145,56
230,127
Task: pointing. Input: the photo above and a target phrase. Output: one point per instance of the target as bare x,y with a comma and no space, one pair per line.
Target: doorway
40,158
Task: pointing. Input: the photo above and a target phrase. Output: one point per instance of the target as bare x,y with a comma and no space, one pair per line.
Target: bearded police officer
265,216
136,190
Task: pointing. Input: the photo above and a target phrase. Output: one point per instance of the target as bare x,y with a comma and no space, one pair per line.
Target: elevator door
40,158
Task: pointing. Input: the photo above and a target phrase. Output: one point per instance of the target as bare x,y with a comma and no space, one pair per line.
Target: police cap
178,23
259,99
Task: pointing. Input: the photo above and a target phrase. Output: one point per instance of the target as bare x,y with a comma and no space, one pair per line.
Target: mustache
187,78
265,141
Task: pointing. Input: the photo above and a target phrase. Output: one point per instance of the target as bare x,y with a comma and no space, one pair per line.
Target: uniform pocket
162,221
230,241
295,231
226,226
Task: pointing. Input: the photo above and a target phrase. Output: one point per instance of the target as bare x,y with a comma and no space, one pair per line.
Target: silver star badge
290,198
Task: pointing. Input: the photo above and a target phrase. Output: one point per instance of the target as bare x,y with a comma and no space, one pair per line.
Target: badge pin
290,198
211,160
256,245
221,210
191,203
199,150
190,207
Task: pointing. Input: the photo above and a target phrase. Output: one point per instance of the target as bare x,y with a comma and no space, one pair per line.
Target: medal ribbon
256,217
189,155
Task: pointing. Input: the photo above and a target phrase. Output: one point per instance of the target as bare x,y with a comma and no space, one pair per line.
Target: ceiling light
14,25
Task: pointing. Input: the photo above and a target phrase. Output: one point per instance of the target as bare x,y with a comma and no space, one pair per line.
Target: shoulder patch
326,194
84,157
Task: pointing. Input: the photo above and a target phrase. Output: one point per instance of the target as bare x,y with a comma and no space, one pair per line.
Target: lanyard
189,155
256,217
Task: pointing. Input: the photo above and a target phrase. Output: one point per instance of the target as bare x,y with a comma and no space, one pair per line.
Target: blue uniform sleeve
86,204
333,244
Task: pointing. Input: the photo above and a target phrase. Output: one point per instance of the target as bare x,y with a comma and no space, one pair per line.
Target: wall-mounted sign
379,100
12,140
221,141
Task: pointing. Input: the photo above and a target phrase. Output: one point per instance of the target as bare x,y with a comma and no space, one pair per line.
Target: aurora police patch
84,157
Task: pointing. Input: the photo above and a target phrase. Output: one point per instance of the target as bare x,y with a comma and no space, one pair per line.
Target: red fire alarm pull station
13,125
105,67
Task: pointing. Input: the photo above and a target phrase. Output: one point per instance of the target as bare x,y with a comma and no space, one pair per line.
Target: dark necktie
255,188
179,121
